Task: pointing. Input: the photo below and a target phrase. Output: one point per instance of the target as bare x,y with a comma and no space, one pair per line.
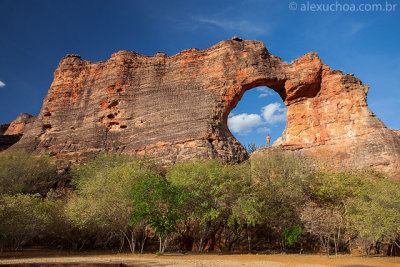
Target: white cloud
239,26
264,92
244,123
274,112
2,84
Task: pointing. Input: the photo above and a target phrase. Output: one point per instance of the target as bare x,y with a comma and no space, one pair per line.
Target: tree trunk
142,243
334,241
327,246
201,244
164,246
249,238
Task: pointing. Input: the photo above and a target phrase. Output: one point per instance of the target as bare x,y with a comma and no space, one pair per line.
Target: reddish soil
35,258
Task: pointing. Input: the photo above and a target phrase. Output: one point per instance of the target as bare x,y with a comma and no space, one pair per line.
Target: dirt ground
175,259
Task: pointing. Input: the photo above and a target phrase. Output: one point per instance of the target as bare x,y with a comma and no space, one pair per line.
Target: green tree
331,193
102,204
292,235
207,187
22,218
243,204
280,180
21,172
158,203
375,213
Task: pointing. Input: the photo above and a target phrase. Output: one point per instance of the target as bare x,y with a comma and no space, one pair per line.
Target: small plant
251,147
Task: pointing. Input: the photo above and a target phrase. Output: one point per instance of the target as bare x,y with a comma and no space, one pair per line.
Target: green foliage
120,199
334,189
375,211
246,212
292,235
21,172
279,181
22,217
157,202
205,185
215,195
102,203
351,204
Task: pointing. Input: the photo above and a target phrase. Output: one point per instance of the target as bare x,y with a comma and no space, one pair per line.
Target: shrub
102,204
280,179
213,190
374,213
22,218
159,204
21,172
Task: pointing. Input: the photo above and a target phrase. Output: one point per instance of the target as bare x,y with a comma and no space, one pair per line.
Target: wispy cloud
274,113
264,92
237,26
354,28
244,123
2,84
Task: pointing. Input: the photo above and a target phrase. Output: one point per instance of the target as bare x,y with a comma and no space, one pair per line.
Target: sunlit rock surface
176,107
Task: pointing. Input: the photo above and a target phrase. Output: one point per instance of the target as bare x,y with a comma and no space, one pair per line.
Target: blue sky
35,35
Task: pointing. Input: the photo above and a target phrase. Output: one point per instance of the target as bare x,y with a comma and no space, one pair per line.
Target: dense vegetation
120,202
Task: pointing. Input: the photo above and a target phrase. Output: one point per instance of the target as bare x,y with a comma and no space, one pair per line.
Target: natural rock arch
176,108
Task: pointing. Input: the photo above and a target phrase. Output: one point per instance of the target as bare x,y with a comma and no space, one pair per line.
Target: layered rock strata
176,107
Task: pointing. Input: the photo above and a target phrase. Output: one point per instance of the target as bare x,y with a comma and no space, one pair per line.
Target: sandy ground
203,260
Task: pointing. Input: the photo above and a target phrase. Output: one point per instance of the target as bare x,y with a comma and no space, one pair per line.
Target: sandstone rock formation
176,107
7,140
19,124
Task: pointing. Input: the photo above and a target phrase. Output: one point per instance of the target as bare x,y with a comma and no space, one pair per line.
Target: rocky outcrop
176,107
7,140
17,127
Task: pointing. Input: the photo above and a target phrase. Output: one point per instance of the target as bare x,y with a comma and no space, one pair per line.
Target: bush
21,172
280,179
102,204
374,213
159,204
22,218
217,201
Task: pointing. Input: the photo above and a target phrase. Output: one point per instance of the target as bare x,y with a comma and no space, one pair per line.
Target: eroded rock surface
176,107
7,140
17,127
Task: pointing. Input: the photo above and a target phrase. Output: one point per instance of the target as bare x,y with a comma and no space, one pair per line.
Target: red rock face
176,108
17,127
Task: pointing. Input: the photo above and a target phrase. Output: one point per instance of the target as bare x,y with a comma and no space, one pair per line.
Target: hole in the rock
113,104
261,111
123,126
110,116
46,127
